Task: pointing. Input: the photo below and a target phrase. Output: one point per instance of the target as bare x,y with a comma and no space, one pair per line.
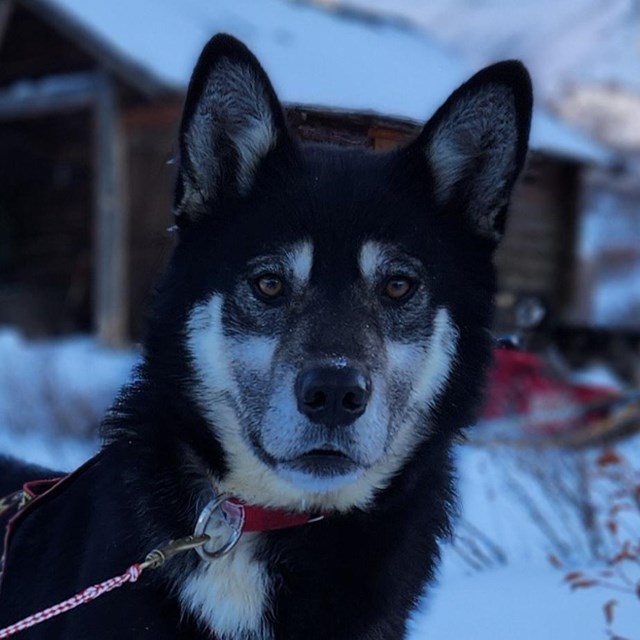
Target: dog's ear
476,143
232,119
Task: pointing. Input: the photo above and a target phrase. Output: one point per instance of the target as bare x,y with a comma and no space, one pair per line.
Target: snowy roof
313,57
566,43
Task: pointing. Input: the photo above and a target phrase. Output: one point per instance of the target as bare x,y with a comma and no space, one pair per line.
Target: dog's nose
332,396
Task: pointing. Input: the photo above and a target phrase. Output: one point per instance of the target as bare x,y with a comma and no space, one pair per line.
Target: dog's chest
231,595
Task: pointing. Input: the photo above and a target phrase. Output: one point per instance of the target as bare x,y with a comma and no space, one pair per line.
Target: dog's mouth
324,462
317,467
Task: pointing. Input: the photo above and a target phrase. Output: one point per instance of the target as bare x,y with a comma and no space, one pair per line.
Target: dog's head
335,297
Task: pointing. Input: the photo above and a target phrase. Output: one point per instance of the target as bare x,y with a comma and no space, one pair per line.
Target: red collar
258,518
253,518
240,518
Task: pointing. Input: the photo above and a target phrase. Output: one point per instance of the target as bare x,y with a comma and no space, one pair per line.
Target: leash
154,559
235,515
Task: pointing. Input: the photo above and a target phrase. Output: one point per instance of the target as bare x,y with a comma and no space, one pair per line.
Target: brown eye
397,287
270,286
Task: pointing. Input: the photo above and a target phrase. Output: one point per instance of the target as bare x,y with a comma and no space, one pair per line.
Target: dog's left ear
232,120
475,145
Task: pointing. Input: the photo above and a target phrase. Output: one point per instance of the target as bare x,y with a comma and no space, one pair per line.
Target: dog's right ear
232,119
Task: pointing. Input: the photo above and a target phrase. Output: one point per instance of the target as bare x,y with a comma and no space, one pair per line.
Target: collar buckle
224,519
230,516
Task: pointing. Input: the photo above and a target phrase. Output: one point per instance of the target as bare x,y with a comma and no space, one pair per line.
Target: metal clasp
158,557
231,517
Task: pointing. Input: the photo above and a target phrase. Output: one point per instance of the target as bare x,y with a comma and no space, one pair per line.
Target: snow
518,506
583,54
59,85
53,394
569,42
60,453
314,57
608,257
527,503
609,112
520,602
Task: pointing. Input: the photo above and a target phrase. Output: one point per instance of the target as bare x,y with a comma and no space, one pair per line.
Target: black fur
353,575
13,474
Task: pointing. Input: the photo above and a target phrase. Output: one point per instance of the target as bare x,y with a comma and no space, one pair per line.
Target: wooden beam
6,9
110,218
32,98
301,114
154,115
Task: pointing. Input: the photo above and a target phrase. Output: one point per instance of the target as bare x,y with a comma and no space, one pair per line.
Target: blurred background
548,538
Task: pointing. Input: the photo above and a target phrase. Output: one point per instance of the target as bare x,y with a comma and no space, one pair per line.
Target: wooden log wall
32,49
538,252
45,212
151,142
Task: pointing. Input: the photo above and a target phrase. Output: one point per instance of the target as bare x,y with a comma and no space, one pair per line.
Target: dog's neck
224,520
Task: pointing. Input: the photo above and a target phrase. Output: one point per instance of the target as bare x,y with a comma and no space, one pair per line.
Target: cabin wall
46,233
537,255
31,49
151,136
46,256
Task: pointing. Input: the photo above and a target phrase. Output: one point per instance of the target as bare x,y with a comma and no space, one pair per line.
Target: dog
318,342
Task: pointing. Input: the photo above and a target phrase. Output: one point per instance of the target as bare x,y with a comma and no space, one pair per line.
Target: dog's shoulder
79,533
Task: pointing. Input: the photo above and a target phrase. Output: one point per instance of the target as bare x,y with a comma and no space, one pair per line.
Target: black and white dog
318,341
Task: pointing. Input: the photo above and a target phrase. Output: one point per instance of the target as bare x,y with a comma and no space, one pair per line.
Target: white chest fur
231,594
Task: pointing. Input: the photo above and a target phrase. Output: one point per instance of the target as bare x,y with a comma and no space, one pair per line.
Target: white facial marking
299,261
207,346
255,353
214,355
372,256
431,363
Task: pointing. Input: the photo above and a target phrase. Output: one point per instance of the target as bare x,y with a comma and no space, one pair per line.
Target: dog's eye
269,286
397,287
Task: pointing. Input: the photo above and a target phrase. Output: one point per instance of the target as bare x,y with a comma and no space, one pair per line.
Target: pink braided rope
89,594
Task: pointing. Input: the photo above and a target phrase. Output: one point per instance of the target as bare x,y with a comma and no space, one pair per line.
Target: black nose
332,396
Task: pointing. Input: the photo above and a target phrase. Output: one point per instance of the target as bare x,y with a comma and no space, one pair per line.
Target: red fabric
263,519
521,385
35,488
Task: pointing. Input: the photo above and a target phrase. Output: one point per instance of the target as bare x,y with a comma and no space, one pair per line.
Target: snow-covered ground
521,601
53,394
519,508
